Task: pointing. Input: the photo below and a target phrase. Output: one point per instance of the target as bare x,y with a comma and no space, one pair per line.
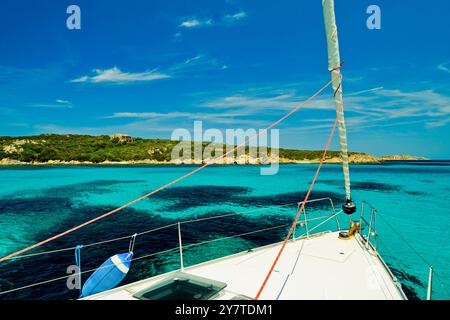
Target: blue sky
148,67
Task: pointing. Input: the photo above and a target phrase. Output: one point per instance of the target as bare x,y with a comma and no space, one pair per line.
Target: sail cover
334,65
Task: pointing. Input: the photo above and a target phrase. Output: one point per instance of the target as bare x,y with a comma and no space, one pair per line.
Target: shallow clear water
37,202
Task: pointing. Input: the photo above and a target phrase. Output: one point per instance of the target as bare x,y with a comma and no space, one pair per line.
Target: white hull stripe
119,264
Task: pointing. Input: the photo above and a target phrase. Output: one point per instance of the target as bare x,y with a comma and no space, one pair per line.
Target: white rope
234,236
107,241
41,253
235,214
34,284
80,273
323,222
155,253
142,233
261,230
209,218
157,229
139,258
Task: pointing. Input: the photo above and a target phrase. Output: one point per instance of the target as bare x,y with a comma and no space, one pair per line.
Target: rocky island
55,149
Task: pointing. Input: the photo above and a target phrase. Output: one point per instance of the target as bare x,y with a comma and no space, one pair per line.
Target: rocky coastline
245,160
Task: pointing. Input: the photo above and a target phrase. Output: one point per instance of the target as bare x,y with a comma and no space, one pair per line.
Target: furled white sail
334,65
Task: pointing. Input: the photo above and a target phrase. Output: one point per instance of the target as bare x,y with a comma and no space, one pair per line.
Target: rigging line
298,107
86,245
428,264
407,275
156,253
235,236
237,213
81,273
147,231
406,241
141,257
320,224
294,223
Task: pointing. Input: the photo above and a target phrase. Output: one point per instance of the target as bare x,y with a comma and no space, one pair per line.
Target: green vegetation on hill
97,149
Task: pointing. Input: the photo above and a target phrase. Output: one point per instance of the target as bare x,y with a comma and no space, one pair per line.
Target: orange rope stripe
298,107
300,209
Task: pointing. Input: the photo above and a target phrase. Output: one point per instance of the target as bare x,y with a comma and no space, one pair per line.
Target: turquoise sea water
37,202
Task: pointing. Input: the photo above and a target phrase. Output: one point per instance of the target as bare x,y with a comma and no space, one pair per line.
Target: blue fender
108,275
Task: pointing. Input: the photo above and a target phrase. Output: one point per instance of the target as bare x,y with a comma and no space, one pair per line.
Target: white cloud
444,67
190,23
371,107
59,103
200,62
149,115
156,124
133,129
62,101
284,101
194,23
197,57
217,118
363,91
237,16
366,110
116,76
438,123
228,19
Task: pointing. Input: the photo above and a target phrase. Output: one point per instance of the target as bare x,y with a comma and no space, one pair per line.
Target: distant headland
71,149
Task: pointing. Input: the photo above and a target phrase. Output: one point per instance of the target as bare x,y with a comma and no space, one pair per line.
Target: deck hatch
182,286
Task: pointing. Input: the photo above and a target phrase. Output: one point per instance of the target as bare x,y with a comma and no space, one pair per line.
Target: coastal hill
123,149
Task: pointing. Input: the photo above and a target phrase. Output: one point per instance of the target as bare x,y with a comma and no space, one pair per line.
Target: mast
334,66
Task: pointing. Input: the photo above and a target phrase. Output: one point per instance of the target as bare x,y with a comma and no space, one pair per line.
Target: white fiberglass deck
321,267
